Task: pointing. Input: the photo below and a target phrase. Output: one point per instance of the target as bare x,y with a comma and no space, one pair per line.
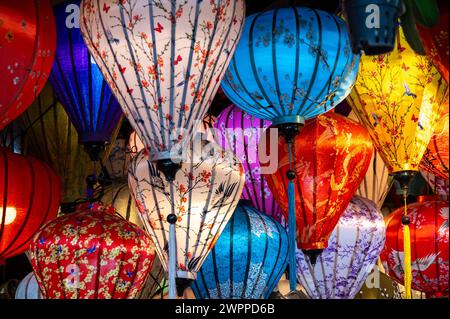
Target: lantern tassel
292,224
172,262
406,248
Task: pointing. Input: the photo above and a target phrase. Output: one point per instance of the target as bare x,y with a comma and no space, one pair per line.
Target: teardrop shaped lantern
92,253
48,134
79,84
429,246
240,133
247,260
436,158
163,60
332,154
30,193
28,288
27,49
202,197
352,252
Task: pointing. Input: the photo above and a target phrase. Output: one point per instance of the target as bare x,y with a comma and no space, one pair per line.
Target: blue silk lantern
291,64
247,260
79,84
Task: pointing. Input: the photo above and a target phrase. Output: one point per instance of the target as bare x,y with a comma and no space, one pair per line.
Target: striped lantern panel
78,82
353,249
240,133
28,288
203,196
30,193
27,49
164,60
291,64
247,260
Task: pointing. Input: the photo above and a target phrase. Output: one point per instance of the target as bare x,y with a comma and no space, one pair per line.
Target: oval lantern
291,64
247,260
240,133
352,252
49,135
435,160
79,84
28,288
166,63
27,48
435,40
377,182
92,253
429,246
118,160
398,97
30,193
332,154
205,192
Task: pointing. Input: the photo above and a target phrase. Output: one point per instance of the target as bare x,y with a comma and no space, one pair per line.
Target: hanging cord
406,246
291,222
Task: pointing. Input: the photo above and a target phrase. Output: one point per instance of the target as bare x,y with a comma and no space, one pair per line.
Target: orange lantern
331,156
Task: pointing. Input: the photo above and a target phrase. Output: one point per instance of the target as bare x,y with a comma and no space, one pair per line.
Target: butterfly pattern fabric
164,60
398,96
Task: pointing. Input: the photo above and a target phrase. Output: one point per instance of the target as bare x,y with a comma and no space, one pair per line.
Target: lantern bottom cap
288,119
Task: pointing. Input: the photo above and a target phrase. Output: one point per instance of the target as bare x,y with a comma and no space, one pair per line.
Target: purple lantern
353,249
239,132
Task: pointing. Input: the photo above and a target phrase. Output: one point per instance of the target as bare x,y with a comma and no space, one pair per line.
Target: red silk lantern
30,193
435,40
92,253
331,155
27,49
435,160
429,246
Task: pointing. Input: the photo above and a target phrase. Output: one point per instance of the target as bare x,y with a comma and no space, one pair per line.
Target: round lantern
247,260
28,288
27,48
30,193
92,253
429,246
118,160
332,154
291,64
166,65
439,185
435,159
48,134
79,84
352,252
372,24
240,133
202,196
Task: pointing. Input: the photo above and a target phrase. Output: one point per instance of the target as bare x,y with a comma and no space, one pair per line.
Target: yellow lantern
398,96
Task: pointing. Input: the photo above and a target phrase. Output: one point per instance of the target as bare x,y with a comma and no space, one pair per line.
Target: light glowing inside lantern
11,214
